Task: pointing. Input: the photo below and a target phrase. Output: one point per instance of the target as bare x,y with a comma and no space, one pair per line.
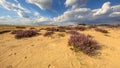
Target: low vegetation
20,27
86,44
61,34
92,26
24,33
49,33
101,30
81,28
73,32
4,31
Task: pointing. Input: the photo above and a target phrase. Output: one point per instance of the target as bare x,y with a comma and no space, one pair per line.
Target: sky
59,12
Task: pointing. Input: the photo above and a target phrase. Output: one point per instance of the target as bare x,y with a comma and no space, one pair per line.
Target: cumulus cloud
105,14
105,9
22,12
75,3
42,4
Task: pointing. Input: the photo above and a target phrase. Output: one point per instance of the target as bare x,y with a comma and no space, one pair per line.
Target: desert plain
54,51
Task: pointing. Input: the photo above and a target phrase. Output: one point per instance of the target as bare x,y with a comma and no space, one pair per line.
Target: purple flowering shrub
84,43
24,33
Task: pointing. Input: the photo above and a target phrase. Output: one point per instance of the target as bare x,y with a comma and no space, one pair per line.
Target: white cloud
13,7
115,14
105,9
105,14
75,3
36,14
16,1
42,4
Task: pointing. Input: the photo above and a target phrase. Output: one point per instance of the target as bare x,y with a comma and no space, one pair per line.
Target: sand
54,52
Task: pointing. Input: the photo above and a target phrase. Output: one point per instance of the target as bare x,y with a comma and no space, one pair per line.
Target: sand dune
54,52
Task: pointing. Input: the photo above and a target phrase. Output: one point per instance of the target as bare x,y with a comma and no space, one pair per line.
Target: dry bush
101,30
73,32
51,29
20,27
4,31
61,34
92,26
55,29
32,28
49,33
81,28
84,43
66,27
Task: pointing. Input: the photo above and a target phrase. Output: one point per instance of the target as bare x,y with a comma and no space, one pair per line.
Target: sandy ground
54,52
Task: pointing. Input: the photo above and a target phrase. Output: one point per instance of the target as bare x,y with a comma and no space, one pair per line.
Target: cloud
36,14
75,3
42,4
105,9
16,1
105,14
22,12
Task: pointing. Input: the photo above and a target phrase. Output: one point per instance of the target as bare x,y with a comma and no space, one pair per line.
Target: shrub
73,32
101,30
82,24
92,26
66,27
52,29
61,34
24,33
84,43
4,31
20,27
32,28
61,27
61,30
69,28
81,28
16,31
56,29
49,33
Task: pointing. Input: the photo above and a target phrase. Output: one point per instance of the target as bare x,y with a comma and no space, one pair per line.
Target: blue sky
61,12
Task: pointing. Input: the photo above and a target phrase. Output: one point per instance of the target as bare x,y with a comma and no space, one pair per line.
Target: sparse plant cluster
101,30
84,43
16,31
73,32
55,29
4,31
51,29
20,27
66,27
110,25
32,28
61,34
92,26
81,28
49,33
24,33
